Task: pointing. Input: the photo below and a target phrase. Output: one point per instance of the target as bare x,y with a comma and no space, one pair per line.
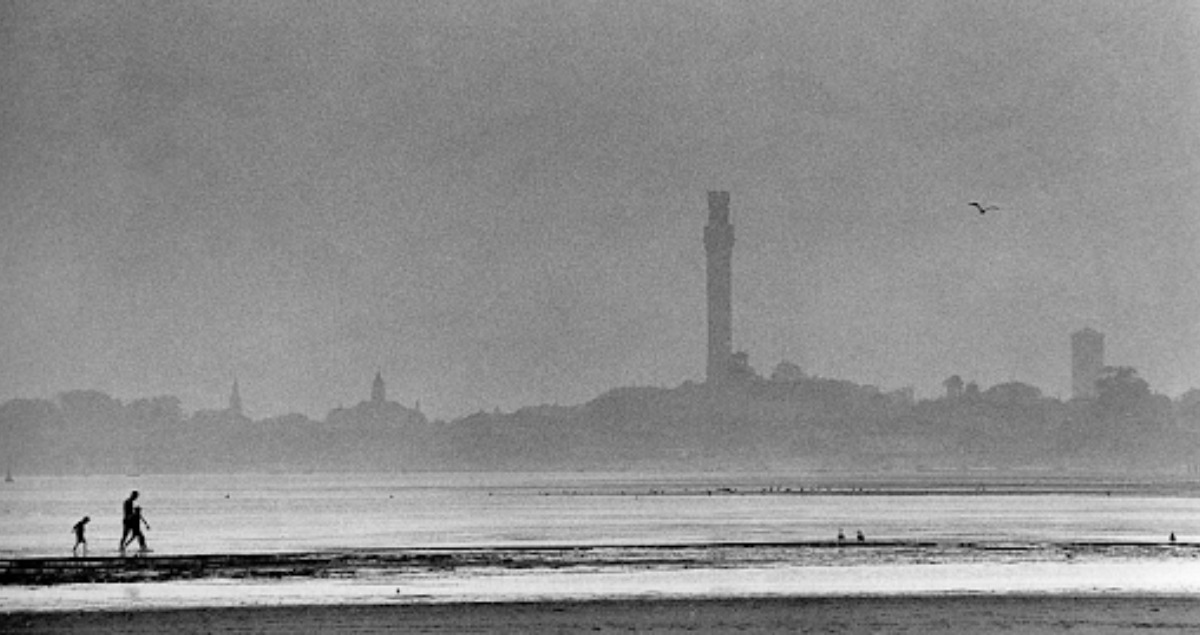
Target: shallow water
699,524
264,513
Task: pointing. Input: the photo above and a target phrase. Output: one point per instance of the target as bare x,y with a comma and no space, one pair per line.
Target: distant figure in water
1172,536
129,527
138,521
79,539
841,535
861,538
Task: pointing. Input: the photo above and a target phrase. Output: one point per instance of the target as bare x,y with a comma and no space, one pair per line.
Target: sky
500,204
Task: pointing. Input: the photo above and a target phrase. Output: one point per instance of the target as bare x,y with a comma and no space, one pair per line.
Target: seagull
982,208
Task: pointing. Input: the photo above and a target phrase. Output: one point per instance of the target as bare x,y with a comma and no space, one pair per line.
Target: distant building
235,400
1087,360
788,373
378,390
902,397
738,368
954,387
376,412
718,243
1013,393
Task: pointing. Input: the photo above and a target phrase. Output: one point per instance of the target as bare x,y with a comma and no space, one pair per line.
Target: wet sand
350,563
858,614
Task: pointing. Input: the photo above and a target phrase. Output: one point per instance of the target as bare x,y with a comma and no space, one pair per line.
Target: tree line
788,421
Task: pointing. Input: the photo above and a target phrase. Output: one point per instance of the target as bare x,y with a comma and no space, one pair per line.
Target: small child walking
138,520
79,539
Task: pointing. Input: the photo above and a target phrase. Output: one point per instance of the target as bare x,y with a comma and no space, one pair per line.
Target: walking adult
128,522
80,540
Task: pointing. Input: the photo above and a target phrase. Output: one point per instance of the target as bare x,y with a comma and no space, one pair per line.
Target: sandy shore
890,614
709,588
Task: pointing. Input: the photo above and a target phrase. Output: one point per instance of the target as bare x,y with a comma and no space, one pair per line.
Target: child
79,539
137,521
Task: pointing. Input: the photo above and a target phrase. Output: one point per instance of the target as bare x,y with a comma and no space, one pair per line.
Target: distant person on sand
841,535
127,521
861,538
79,539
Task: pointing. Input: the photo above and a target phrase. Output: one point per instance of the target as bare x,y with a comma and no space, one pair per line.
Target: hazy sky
502,204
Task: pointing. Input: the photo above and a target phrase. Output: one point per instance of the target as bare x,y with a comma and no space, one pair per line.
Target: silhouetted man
130,525
79,539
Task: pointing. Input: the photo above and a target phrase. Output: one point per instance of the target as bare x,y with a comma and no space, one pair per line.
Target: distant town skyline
1087,365
500,204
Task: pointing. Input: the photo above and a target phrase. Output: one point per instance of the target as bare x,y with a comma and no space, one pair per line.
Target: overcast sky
501,204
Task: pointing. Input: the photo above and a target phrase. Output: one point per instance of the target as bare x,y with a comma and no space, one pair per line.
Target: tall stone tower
1087,359
378,391
718,243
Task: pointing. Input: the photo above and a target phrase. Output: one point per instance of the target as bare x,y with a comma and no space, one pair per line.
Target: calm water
255,513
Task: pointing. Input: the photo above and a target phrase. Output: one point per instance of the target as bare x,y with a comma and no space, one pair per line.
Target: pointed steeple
235,399
378,391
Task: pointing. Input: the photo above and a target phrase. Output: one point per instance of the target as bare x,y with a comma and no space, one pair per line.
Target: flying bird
983,209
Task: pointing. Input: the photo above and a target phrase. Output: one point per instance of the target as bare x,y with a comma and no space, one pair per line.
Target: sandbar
1030,614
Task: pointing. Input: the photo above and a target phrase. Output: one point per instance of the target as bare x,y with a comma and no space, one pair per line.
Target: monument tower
718,243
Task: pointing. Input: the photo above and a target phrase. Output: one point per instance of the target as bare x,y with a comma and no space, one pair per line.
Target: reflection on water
252,513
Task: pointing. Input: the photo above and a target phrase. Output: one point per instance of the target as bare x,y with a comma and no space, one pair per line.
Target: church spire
235,399
378,391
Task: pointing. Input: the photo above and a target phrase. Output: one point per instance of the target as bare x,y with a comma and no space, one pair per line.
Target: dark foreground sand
887,614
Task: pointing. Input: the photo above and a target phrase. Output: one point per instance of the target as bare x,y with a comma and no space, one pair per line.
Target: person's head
133,495
86,520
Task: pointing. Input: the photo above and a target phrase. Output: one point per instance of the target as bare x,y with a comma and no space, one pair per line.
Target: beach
1029,614
886,587
696,553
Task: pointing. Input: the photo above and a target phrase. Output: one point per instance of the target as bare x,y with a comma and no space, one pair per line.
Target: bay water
253,513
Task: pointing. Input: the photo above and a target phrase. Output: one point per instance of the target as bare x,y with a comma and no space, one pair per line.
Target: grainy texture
905,614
